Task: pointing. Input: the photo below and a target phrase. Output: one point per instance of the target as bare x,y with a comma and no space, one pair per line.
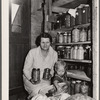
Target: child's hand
59,89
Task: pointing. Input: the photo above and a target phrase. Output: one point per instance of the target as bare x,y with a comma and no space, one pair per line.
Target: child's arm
59,89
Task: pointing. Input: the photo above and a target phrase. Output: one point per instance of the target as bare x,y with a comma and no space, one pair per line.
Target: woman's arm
28,65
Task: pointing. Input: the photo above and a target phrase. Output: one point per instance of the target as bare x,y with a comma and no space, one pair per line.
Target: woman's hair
43,35
59,63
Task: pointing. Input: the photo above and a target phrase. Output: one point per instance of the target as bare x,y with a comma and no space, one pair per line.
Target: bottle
83,36
72,21
65,37
71,55
75,35
84,88
80,53
77,86
75,50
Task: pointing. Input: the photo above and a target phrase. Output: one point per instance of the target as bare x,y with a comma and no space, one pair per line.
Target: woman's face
45,44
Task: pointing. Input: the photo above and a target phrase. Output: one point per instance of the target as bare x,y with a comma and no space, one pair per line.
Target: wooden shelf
70,28
76,60
78,43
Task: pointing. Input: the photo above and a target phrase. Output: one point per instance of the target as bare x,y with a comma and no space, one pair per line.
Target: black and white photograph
51,50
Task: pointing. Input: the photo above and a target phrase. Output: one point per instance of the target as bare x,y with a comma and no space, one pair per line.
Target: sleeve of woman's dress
28,65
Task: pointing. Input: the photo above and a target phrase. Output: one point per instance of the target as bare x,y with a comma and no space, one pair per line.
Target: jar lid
73,82
78,81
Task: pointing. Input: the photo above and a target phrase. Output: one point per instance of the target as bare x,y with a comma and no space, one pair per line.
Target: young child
60,76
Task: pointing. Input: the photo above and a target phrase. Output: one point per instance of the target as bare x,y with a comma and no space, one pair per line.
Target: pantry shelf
70,28
80,61
78,43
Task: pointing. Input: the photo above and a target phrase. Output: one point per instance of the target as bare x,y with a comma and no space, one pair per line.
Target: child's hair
59,63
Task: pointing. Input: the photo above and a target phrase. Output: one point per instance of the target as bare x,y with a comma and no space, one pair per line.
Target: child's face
61,70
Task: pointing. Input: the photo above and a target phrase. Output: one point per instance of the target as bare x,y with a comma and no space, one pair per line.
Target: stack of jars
64,37
78,86
82,16
75,52
81,35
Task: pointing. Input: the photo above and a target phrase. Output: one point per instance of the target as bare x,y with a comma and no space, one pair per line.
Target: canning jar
60,38
67,20
67,52
78,86
60,51
85,14
80,52
83,35
84,88
73,87
57,37
78,19
69,37
75,50
75,35
65,37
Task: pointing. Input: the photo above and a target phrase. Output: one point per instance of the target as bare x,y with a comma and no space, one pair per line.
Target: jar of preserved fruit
89,34
75,35
67,20
78,19
69,37
77,86
84,88
65,37
61,38
85,14
60,51
67,52
73,87
83,35
80,52
75,50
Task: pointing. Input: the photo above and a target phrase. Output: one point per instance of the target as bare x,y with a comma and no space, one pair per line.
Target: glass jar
75,50
78,19
71,55
89,34
75,35
57,37
67,20
61,38
77,86
83,35
67,52
84,88
65,37
60,51
80,52
73,87
69,38
85,14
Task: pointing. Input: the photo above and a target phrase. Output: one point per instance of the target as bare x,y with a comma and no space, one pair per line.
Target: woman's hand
31,80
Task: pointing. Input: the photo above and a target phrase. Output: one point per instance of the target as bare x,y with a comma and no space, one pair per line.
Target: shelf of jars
77,43
71,28
76,60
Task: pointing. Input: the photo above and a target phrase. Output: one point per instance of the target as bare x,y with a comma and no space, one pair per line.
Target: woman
44,56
